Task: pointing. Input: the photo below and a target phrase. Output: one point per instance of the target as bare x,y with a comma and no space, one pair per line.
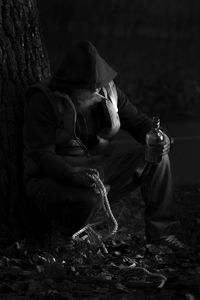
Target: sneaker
172,242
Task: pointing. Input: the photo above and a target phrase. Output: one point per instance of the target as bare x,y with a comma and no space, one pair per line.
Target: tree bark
23,61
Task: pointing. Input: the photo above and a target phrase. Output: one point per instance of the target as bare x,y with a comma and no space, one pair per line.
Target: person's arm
40,137
138,124
132,119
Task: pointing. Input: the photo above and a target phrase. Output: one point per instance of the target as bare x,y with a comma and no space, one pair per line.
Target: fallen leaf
189,296
122,287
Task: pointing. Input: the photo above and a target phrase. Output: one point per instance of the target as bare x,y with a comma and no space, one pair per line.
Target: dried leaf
55,271
189,296
73,269
122,287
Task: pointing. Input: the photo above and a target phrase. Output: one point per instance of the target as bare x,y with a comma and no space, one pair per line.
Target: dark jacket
54,133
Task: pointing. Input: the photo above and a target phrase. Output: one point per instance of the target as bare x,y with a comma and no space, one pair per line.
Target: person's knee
163,170
165,162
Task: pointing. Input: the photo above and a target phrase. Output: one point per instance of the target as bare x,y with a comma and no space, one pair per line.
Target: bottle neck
156,123
156,128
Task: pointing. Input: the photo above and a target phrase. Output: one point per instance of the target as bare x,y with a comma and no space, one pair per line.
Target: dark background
154,46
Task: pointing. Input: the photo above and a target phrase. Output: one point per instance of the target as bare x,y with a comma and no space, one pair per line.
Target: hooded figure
83,68
70,129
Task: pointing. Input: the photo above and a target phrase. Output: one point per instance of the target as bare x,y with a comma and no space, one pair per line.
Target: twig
152,274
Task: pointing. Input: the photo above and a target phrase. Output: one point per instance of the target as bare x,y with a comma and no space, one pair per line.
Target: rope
93,236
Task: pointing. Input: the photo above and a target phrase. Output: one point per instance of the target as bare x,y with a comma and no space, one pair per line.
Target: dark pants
73,205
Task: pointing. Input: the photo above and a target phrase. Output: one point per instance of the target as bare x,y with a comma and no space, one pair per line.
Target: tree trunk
23,61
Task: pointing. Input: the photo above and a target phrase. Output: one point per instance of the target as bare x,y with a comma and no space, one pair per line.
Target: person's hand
166,145
163,148
82,176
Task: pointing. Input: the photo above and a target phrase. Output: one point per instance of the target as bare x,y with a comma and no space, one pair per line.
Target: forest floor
80,270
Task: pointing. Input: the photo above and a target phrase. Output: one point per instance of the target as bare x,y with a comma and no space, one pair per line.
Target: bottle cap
156,122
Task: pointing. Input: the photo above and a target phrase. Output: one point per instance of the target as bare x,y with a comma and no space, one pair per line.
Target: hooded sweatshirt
83,68
50,128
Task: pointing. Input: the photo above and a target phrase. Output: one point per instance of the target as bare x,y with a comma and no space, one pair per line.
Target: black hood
82,68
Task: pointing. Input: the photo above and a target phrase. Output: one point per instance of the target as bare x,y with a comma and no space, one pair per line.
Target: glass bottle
153,137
